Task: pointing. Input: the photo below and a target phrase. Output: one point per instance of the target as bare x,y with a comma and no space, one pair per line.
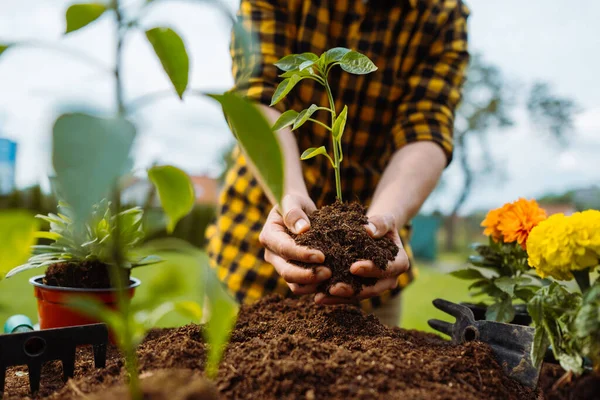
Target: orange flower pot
53,311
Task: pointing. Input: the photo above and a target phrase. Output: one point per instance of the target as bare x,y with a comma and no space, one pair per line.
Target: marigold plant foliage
513,222
563,244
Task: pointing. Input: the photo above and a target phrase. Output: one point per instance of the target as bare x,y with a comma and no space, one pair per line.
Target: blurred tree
487,104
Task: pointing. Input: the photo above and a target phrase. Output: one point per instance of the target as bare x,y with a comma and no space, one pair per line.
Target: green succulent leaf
467,274
293,61
340,124
17,236
356,63
501,311
256,138
284,88
89,154
81,15
286,119
175,191
313,152
170,50
304,116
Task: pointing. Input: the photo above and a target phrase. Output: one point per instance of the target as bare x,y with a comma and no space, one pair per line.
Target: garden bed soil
338,231
292,349
84,275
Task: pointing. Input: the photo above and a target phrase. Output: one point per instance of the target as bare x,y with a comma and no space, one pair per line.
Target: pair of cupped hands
280,249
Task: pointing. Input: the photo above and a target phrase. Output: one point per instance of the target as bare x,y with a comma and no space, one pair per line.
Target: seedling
310,66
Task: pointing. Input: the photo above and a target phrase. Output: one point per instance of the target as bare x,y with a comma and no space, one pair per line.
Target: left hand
341,293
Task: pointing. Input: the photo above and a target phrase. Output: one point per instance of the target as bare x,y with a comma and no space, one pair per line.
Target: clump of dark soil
586,387
338,231
86,275
295,349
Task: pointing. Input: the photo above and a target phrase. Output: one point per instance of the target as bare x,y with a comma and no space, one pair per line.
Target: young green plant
311,66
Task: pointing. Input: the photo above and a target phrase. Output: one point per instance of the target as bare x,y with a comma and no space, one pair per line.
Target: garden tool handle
18,323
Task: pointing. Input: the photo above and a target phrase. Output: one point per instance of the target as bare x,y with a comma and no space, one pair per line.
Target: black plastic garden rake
34,348
511,344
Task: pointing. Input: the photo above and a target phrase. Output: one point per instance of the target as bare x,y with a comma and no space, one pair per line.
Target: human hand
341,293
280,248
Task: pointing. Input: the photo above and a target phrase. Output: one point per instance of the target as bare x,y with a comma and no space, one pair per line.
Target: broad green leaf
148,260
305,73
501,311
286,119
479,283
304,116
257,140
571,362
356,63
175,191
506,284
539,346
306,64
340,124
333,55
173,56
293,61
17,236
81,15
223,314
89,154
313,152
468,273
284,88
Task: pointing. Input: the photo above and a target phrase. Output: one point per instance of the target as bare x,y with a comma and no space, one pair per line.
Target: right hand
280,247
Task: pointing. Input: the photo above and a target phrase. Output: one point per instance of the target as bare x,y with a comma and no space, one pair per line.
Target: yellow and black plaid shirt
420,49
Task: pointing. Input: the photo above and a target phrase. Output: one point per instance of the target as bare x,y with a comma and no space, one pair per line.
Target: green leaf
506,284
356,63
4,47
501,311
313,152
17,236
306,64
286,119
467,274
539,346
340,124
571,362
333,55
148,260
81,15
304,116
94,308
223,313
479,283
293,61
256,139
171,52
175,191
284,88
305,73
88,155
189,309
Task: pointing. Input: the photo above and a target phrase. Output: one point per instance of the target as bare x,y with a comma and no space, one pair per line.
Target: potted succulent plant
500,269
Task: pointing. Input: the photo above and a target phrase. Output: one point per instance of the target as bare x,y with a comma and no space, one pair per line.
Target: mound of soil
586,387
85,275
338,231
294,349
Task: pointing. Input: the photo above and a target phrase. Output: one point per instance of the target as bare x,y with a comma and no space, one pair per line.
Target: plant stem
119,59
320,123
583,279
336,150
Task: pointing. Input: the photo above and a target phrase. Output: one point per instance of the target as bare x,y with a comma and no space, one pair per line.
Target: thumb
380,225
294,213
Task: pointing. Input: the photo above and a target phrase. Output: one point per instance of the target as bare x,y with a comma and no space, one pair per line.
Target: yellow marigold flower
561,244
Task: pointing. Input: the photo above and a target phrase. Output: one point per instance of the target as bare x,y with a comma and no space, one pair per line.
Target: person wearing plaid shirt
397,142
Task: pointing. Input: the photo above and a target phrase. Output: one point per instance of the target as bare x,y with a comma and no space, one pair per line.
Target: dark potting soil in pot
85,275
294,349
338,230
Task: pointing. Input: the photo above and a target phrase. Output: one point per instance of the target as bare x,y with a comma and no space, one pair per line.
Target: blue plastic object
18,323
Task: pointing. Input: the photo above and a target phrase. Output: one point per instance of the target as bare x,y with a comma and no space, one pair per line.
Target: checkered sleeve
265,24
434,89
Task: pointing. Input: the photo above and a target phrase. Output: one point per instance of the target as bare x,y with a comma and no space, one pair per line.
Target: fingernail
345,292
323,273
360,270
372,228
300,224
314,258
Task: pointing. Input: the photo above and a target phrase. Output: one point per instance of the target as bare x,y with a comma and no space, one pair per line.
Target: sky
551,40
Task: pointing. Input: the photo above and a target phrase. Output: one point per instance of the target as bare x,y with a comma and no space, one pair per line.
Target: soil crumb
338,230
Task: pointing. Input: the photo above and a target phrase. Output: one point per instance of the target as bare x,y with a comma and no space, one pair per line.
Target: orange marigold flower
492,222
512,222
